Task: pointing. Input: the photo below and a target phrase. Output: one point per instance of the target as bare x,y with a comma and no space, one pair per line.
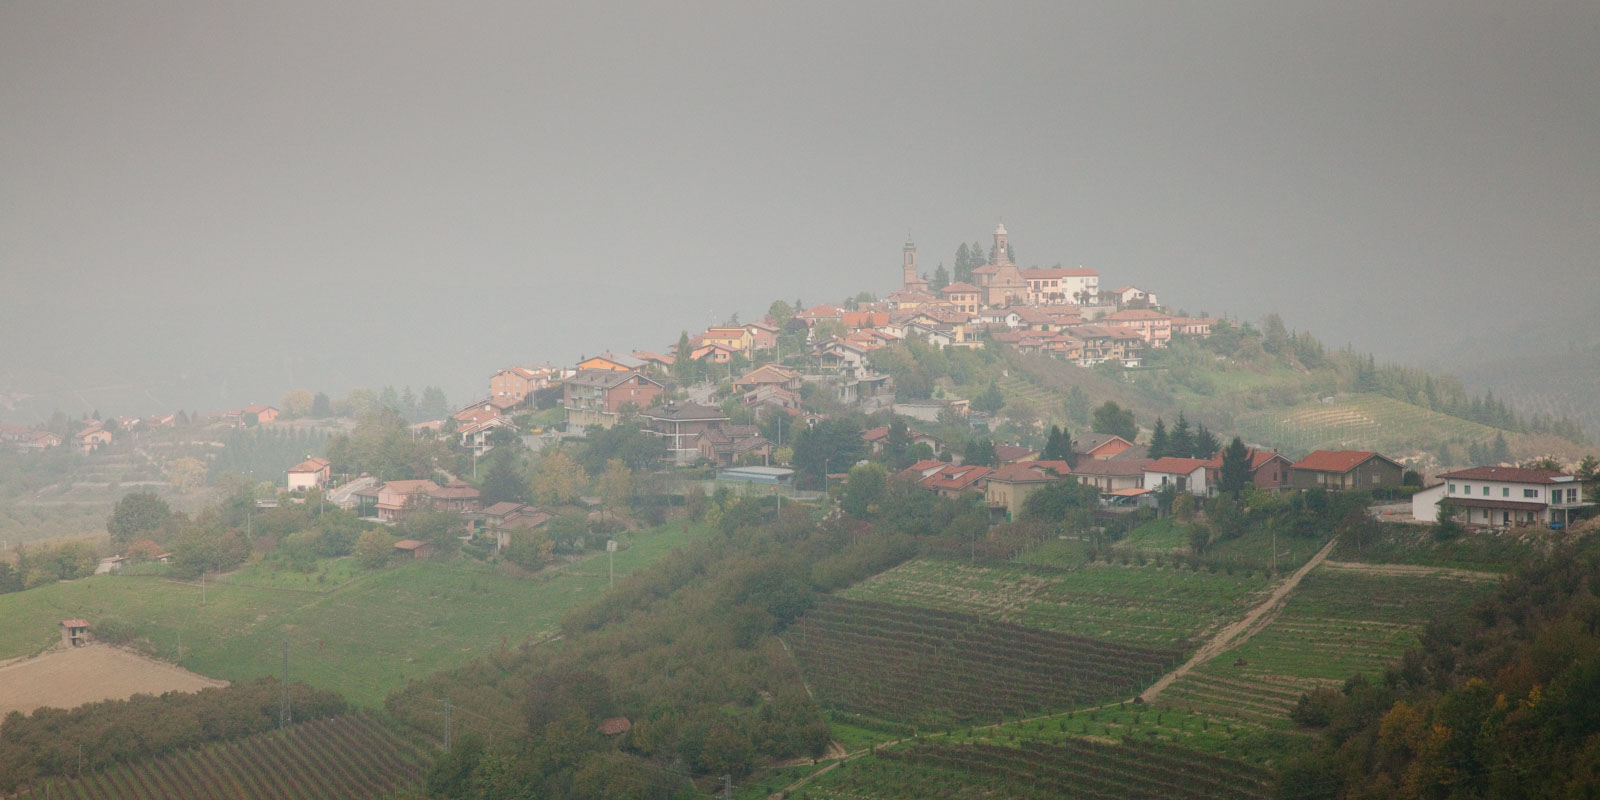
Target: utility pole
283,691
611,569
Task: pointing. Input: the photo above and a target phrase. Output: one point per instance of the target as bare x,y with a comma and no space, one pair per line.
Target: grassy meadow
360,633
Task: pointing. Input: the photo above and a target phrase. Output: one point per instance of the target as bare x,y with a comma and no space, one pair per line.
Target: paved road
341,496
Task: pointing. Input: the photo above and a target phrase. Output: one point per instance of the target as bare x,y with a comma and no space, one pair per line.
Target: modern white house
1187,474
1502,497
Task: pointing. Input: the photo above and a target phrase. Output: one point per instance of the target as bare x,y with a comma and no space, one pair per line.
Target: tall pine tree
1181,442
1158,440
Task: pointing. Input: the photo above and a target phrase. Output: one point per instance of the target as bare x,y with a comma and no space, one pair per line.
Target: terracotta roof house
475,436
512,386
413,548
310,473
878,438
1345,469
397,498
1155,327
716,353
1110,475
259,414
75,632
93,438
1502,497
1011,454
656,360
41,440
597,397
730,445
1192,326
1009,486
1185,474
611,361
681,426
771,396
769,375
946,479
762,335
1057,286
456,495
1101,446
1268,470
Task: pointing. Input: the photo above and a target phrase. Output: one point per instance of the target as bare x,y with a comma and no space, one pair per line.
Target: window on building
1452,488
1485,491
1534,493
1466,488
1505,491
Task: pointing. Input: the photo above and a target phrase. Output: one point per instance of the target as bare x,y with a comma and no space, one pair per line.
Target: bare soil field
74,676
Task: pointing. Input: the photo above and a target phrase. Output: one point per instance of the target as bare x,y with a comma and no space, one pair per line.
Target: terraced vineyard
1360,421
1077,768
349,757
1338,623
930,667
1164,608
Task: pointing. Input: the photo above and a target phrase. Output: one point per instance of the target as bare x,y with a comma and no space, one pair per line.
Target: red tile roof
1509,475
1006,453
1031,472
75,623
409,544
1111,467
1175,466
1336,460
310,465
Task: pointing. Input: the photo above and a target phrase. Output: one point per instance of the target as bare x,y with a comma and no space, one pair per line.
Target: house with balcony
598,397
681,426
1501,497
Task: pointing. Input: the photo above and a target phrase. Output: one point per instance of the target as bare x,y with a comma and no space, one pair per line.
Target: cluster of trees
1498,702
1116,420
1182,441
52,742
223,535
685,649
382,445
37,566
1497,452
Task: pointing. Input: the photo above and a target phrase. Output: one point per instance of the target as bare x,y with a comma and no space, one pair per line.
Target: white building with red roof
1502,497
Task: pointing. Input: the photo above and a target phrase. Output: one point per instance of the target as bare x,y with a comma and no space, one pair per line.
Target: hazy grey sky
243,198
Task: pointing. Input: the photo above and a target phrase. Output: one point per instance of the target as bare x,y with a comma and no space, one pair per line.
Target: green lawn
363,636
1134,605
1159,534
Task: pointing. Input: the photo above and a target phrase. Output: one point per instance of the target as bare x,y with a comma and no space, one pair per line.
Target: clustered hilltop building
1060,312
1001,283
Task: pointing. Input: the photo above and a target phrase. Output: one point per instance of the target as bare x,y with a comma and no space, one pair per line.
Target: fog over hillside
206,205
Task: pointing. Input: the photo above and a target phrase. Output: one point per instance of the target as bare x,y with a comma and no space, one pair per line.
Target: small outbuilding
413,548
75,632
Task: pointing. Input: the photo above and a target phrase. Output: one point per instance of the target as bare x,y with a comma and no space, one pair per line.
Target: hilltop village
926,535
727,397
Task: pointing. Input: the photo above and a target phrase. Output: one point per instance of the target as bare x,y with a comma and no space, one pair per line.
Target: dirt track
1241,630
78,675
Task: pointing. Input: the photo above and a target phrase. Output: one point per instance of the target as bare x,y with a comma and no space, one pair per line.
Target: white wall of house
1425,504
1564,493
1194,482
